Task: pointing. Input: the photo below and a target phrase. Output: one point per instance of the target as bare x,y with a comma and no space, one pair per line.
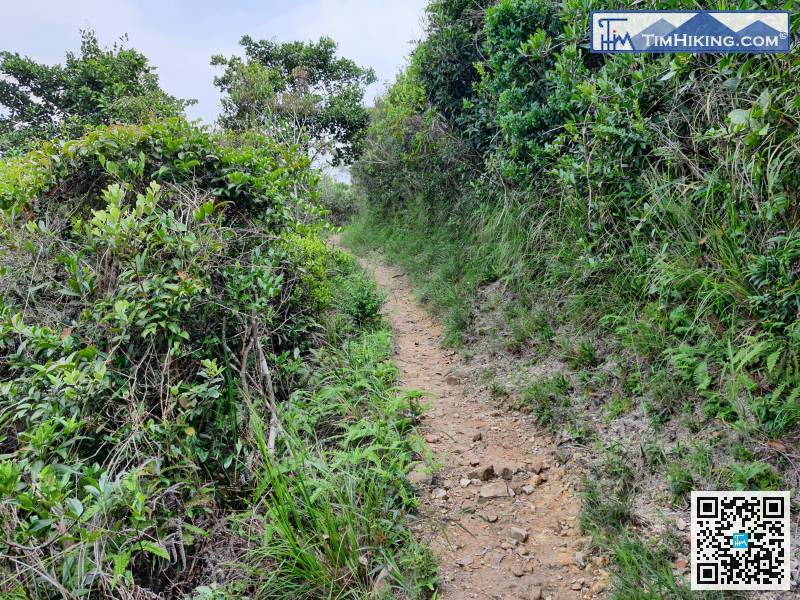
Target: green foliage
609,184
255,175
335,524
97,86
517,76
164,288
296,90
549,399
604,509
313,263
644,571
446,66
251,95
361,300
755,476
582,355
680,480
339,199
617,406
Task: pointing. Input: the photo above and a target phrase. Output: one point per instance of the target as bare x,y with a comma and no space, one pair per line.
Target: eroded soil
501,513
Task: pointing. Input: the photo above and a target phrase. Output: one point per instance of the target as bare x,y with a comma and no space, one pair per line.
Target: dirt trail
511,534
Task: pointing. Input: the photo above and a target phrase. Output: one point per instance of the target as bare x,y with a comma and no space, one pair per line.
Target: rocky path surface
501,514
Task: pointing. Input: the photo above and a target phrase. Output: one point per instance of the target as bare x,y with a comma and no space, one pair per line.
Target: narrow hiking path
501,514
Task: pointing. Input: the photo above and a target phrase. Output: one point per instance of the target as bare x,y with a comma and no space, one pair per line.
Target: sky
180,36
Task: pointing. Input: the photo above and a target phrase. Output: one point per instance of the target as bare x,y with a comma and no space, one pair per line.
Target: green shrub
257,175
338,199
163,287
618,405
445,64
649,192
549,400
516,78
361,300
680,479
755,476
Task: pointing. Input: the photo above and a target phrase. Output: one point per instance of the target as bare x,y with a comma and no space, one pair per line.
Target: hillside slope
616,239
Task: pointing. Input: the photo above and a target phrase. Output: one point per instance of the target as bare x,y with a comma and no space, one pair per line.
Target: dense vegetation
298,91
97,86
649,201
197,398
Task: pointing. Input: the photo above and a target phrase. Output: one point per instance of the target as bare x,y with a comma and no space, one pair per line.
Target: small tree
96,86
298,89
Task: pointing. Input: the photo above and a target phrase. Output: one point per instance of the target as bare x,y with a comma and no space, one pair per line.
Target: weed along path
501,514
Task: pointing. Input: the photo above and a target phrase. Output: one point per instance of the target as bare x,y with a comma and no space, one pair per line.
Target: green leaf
154,549
772,360
194,529
121,561
40,524
739,116
701,377
75,507
765,99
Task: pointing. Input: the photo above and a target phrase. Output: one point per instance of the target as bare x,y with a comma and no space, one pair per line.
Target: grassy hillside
639,214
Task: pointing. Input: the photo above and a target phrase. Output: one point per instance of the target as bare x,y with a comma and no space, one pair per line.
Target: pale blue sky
179,36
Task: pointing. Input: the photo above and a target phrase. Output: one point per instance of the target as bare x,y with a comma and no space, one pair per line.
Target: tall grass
336,512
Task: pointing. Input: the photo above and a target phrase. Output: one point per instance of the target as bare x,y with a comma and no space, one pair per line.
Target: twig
274,423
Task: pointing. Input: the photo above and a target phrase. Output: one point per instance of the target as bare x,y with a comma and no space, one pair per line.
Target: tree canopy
96,86
297,88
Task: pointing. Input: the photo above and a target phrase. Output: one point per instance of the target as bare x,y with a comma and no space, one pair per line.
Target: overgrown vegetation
297,91
339,199
639,199
97,86
197,398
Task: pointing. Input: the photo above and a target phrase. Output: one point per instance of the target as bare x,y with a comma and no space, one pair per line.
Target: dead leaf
777,445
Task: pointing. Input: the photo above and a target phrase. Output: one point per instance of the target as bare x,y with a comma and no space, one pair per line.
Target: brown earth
501,513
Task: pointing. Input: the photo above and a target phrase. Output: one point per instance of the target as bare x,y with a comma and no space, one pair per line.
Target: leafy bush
118,414
163,289
445,63
95,87
361,300
258,175
549,399
339,199
650,192
517,76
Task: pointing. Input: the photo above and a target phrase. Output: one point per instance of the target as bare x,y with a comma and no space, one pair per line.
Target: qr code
740,541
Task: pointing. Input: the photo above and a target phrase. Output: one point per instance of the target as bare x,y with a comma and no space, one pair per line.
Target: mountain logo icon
690,31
